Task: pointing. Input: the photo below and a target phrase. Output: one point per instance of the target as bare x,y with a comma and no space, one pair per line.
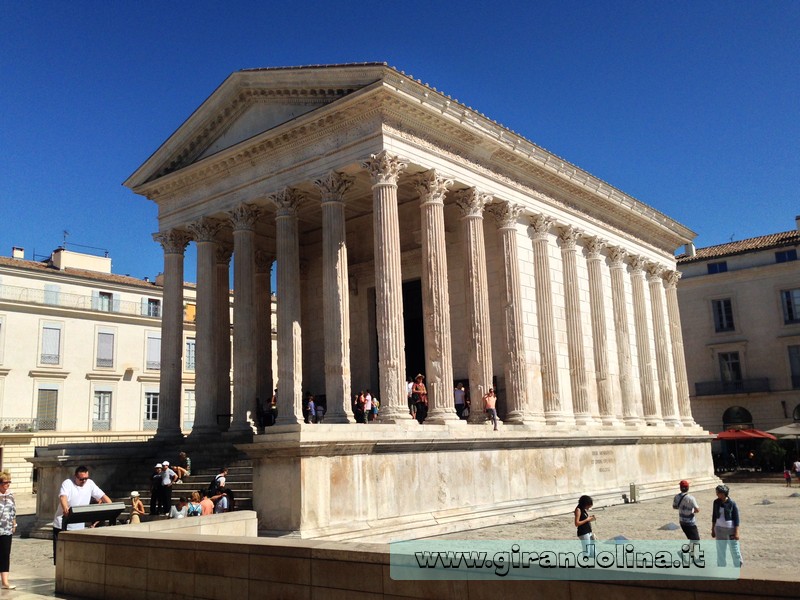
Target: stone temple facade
412,234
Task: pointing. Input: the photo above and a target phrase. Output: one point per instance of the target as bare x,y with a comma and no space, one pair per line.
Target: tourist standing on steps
75,491
168,477
725,527
687,507
583,521
419,394
137,509
490,406
155,489
8,525
458,398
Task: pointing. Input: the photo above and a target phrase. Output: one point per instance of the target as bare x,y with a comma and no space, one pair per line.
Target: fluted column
540,227
577,361
678,357
174,243
243,218
432,188
471,202
335,296
385,169
515,367
264,374
665,389
206,374
594,246
630,415
290,344
643,342
223,321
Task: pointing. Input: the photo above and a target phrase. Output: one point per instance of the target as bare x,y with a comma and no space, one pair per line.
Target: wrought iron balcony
742,386
8,425
51,298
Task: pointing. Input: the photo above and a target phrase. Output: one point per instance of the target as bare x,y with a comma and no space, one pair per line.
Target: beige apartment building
80,355
740,312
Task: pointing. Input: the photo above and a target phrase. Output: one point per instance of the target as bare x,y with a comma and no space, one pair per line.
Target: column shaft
290,356
169,392
223,320
335,297
436,299
665,382
678,358
643,342
540,226
206,380
577,361
630,415
264,374
385,170
598,314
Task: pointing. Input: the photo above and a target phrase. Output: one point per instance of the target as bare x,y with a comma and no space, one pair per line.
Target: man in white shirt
168,477
75,491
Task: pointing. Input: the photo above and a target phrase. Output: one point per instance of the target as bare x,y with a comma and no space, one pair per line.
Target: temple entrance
413,328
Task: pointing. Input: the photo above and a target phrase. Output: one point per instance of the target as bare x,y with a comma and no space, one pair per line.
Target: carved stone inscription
604,460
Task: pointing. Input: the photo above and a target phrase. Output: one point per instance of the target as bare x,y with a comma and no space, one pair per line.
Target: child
787,477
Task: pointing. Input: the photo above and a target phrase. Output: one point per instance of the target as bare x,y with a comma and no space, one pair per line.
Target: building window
790,299
150,411
783,256
101,411
794,366
153,307
105,350
188,409
51,345
153,359
717,267
190,312
47,409
105,301
723,315
190,354
730,367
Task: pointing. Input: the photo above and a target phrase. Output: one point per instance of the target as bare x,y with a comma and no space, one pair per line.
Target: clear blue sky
691,107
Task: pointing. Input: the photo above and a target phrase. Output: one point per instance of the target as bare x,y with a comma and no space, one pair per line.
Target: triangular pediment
249,103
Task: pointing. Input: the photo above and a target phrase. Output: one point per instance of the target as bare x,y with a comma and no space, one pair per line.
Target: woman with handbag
583,521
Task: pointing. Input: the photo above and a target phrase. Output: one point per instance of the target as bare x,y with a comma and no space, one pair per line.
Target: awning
745,434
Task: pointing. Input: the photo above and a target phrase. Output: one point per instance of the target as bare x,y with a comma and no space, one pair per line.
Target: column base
239,435
582,420
338,418
441,416
672,422
515,417
168,435
204,433
288,421
555,418
689,422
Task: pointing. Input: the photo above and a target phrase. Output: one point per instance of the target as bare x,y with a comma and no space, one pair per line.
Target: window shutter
105,349
51,345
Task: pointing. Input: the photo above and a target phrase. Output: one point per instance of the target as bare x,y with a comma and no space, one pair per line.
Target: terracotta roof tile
763,242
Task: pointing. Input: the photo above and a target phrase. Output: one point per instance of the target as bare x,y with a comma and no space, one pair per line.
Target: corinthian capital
569,236
540,224
173,241
224,252
264,261
672,278
654,271
617,255
432,187
595,246
471,202
287,201
333,186
637,264
505,214
205,229
244,217
384,168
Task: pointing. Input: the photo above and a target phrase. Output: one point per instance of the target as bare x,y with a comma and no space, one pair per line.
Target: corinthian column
243,218
656,285
432,188
335,296
223,320
643,342
597,307
577,362
206,374
678,358
471,203
630,415
290,345
385,169
174,243
515,366
540,227
264,375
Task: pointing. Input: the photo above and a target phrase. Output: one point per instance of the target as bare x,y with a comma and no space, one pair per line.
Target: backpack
213,486
194,510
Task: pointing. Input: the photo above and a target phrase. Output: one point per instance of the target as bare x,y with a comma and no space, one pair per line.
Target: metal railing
742,386
101,425
77,301
149,424
11,425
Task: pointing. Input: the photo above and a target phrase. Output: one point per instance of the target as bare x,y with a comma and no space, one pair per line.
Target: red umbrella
745,434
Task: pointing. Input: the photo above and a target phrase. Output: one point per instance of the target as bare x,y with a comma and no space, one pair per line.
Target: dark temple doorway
413,328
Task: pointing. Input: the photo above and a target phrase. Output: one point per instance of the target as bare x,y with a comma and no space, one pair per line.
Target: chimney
797,222
17,252
689,249
147,280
